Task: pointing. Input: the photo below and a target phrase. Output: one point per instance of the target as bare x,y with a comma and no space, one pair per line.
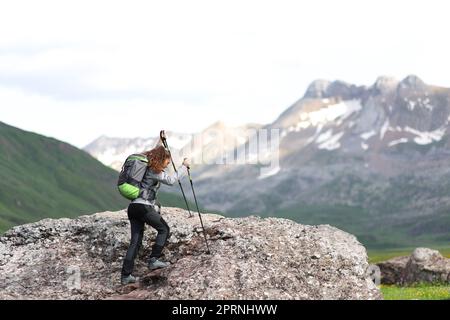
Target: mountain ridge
380,151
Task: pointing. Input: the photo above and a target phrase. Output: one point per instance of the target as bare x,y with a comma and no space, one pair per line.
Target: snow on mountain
203,147
213,144
112,151
334,112
367,135
395,142
337,115
425,137
332,142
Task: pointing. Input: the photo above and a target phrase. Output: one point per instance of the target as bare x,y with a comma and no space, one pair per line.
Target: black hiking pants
139,215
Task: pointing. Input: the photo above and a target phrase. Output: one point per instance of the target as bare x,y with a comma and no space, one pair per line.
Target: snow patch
384,129
319,129
394,142
426,137
324,136
329,113
364,145
332,143
301,125
368,134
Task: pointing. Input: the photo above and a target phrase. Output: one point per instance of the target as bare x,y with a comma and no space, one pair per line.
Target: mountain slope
41,177
371,160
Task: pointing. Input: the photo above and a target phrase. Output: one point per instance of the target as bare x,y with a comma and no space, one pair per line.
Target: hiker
147,210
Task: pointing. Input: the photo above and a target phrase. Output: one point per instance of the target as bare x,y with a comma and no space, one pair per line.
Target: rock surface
392,270
252,258
423,265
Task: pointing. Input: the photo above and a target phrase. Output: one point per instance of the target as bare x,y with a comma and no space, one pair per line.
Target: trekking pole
199,215
162,135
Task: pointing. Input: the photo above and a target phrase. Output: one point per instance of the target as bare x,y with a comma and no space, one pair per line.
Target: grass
416,292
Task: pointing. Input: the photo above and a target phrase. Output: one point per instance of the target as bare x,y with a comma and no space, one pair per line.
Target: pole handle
162,135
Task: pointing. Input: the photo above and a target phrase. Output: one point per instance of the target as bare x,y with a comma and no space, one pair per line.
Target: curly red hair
156,158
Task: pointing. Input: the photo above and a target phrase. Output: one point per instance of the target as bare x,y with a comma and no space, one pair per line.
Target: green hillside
374,234
42,177
375,231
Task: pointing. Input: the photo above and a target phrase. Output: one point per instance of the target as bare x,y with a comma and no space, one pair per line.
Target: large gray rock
252,258
423,265
426,265
393,270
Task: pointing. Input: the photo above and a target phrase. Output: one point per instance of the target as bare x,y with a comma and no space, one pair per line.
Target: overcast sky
75,70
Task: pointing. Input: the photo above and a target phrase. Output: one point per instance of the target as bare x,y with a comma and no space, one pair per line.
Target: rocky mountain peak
412,82
385,84
338,89
317,89
251,258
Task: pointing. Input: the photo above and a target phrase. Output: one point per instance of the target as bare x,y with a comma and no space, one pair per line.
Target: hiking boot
128,279
157,264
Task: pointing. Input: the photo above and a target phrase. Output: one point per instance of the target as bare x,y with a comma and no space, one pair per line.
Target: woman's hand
186,163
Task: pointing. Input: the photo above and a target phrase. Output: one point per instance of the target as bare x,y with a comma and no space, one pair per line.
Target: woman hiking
147,210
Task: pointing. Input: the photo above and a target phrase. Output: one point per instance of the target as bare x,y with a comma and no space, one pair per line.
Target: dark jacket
151,183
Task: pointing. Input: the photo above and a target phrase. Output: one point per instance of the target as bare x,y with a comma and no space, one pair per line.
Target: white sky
75,70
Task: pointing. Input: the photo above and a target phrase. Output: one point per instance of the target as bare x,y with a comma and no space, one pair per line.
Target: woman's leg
137,233
154,219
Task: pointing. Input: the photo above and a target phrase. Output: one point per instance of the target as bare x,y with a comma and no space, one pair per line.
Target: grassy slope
42,177
356,220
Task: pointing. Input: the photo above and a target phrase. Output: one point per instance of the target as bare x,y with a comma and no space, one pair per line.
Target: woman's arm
168,179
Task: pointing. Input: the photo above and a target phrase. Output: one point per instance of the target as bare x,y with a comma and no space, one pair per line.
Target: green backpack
130,177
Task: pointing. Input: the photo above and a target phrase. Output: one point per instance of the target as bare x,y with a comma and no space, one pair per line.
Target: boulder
393,270
251,258
423,265
427,265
